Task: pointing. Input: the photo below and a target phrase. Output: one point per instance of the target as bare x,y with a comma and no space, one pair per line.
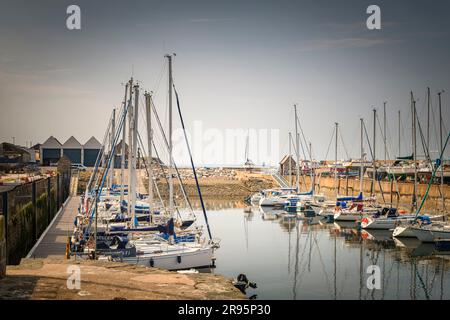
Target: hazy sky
239,64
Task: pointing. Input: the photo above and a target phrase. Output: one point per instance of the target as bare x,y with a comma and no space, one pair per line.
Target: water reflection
294,259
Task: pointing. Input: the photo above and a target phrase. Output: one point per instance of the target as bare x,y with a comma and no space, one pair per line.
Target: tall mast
374,150
290,160
413,105
113,134
399,134
428,117
361,173
311,168
123,147
441,148
335,158
134,158
130,145
148,109
384,133
297,150
171,203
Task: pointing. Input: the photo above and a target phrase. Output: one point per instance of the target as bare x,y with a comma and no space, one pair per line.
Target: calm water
289,259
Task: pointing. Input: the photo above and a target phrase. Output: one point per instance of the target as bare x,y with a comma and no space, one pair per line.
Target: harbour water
291,259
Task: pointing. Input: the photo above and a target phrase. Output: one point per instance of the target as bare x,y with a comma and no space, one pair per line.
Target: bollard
2,246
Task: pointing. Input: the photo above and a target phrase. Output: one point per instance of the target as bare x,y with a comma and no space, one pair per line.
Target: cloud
344,43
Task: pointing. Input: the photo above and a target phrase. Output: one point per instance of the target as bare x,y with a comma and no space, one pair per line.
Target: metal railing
28,209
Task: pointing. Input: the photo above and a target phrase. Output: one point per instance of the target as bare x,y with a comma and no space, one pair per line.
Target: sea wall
392,191
2,247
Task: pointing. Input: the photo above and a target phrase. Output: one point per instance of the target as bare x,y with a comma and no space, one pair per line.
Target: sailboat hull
198,258
423,235
403,232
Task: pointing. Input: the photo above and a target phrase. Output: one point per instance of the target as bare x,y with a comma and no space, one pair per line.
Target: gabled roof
118,149
286,158
51,143
72,143
36,146
92,143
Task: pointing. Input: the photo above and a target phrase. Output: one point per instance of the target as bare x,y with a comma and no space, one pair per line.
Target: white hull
383,223
403,232
441,234
423,235
342,216
201,257
271,202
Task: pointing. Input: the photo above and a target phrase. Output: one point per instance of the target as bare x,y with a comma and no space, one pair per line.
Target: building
118,155
12,156
51,151
91,150
73,150
37,152
286,163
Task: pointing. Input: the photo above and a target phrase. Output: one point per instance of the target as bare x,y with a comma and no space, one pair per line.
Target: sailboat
149,244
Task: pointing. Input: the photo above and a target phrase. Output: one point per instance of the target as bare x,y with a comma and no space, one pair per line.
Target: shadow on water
294,259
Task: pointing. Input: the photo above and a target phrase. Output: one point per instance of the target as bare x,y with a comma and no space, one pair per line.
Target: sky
239,65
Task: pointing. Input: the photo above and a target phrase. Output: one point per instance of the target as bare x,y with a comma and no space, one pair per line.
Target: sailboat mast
290,160
297,150
134,129
413,105
361,173
441,148
171,202
311,168
335,158
399,133
122,160
246,146
113,134
130,146
149,147
384,133
374,150
428,117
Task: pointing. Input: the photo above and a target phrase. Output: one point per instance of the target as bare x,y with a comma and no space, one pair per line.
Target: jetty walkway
52,243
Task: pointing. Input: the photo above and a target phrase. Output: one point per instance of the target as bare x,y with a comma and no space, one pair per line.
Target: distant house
286,163
73,150
91,150
50,151
118,155
37,152
12,156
